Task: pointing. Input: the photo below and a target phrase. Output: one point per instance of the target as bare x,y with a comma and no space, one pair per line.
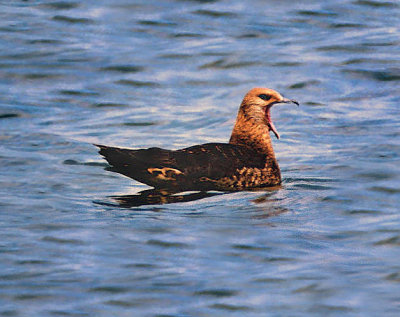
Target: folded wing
199,166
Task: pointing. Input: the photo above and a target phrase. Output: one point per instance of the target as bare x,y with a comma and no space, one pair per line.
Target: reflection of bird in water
163,196
157,197
247,161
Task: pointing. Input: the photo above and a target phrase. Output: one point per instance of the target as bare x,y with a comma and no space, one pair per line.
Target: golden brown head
257,103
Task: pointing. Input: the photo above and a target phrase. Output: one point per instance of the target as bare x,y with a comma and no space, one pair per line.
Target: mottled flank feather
247,161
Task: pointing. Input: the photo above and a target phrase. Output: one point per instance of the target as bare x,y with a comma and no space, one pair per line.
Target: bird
247,162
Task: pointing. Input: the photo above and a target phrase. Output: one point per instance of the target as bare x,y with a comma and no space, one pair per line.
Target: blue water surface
172,74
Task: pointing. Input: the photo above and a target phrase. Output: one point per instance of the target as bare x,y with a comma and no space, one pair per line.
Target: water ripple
79,240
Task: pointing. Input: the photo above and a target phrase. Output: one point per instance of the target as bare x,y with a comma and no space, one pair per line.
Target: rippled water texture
172,74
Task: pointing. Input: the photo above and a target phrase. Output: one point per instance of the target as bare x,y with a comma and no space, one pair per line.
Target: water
172,74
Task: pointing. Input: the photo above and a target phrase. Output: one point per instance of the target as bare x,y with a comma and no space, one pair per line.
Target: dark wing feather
216,160
182,168
135,163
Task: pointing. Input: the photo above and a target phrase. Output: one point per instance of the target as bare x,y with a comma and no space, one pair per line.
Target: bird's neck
252,132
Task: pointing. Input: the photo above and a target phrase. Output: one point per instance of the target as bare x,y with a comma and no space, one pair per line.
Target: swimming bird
247,161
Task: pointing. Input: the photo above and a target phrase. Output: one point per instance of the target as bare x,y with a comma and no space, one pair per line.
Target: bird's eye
264,97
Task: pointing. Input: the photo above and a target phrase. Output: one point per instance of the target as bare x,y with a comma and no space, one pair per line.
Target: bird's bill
286,100
268,115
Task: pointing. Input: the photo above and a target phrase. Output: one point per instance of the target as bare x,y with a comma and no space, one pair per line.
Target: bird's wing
160,167
216,160
136,163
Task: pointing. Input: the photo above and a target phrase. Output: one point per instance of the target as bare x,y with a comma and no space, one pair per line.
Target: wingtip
99,146
102,149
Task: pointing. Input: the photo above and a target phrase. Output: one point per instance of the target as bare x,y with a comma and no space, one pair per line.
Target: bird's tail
133,163
118,158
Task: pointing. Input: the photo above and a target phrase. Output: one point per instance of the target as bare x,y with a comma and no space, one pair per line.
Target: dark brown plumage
248,161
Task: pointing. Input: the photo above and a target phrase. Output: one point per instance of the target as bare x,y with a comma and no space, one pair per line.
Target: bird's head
258,102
